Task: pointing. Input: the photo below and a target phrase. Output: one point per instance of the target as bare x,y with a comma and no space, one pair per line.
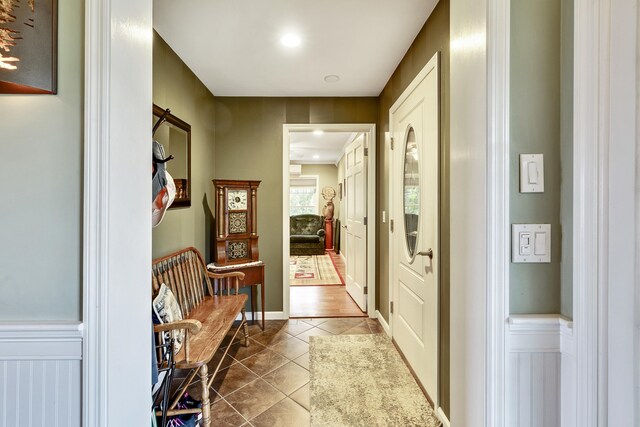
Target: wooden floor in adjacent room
323,301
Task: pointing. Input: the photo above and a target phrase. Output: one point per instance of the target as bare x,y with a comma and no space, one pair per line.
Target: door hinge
365,220
366,152
391,225
366,290
391,307
392,143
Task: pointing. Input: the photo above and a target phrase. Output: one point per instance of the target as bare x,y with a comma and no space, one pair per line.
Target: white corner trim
383,322
498,244
41,341
442,417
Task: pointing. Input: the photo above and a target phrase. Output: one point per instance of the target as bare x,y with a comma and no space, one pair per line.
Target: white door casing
414,122
356,227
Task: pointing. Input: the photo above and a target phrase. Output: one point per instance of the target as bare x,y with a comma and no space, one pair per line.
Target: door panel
356,230
415,241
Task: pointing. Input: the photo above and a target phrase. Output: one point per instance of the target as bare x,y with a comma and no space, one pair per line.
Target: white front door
414,212
356,227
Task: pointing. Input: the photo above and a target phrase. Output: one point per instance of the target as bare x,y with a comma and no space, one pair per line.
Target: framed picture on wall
28,46
340,190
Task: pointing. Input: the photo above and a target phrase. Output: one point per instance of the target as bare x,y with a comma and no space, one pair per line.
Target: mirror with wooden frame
175,136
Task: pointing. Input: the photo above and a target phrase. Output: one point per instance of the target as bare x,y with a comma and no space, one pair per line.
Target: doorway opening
328,202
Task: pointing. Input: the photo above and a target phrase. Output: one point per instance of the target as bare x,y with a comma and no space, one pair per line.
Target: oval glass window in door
411,192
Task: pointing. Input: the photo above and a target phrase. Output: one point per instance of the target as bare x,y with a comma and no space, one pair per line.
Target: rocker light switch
531,173
531,243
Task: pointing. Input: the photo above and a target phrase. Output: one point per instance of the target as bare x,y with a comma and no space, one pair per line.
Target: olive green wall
177,88
248,139
41,173
434,37
535,128
566,157
327,177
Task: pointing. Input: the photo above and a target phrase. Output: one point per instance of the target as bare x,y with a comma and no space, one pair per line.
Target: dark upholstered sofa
306,235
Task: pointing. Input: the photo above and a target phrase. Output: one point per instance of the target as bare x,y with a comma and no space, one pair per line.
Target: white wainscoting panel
536,396
40,374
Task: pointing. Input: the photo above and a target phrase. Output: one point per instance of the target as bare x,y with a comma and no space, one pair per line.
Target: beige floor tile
338,326
291,348
240,352
254,398
231,379
361,329
286,413
288,378
303,361
315,321
296,326
223,415
315,332
271,337
302,396
264,362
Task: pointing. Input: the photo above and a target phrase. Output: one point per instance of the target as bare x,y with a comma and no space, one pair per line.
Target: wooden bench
208,316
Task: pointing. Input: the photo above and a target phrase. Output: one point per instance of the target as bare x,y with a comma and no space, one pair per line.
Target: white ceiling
234,46
328,147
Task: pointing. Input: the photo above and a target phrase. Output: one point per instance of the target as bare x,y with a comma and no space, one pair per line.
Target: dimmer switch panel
531,243
531,173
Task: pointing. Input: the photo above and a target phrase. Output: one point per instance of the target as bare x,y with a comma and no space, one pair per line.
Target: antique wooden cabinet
236,221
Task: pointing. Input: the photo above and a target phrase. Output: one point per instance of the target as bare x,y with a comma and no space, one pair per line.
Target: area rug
361,380
313,270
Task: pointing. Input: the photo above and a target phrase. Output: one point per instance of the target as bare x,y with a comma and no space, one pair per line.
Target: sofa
306,235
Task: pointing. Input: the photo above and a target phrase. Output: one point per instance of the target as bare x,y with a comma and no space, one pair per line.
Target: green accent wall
248,136
41,214
432,38
176,87
540,122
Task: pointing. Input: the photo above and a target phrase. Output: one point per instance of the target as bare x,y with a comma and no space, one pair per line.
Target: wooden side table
253,276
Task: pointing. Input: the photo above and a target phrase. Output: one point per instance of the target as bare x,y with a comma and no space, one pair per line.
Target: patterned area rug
361,380
313,270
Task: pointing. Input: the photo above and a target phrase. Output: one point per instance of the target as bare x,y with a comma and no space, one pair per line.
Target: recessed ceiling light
290,40
331,78
318,132
316,157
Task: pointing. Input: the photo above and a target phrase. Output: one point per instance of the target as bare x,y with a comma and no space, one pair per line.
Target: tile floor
267,383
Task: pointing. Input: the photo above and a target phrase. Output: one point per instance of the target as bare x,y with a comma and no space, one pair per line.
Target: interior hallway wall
432,38
248,139
176,87
41,214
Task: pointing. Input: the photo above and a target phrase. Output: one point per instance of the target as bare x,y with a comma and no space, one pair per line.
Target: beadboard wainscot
541,376
40,374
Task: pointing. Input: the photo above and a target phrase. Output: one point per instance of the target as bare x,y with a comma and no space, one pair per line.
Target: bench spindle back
185,273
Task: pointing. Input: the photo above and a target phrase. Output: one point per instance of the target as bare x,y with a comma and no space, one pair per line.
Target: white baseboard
442,417
538,384
40,367
268,315
383,322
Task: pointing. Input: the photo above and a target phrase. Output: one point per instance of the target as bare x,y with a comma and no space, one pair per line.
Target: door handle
428,253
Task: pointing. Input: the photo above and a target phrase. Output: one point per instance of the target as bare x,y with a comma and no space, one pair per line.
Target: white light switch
384,217
531,173
531,243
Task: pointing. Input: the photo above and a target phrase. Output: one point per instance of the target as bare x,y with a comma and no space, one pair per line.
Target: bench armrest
190,325
238,274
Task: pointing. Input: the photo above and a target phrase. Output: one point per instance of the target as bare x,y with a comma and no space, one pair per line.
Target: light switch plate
531,173
531,243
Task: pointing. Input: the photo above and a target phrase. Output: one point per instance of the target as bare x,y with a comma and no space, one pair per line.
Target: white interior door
356,227
414,208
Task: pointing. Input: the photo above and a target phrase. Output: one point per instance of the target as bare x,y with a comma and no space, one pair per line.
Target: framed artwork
28,46
340,190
